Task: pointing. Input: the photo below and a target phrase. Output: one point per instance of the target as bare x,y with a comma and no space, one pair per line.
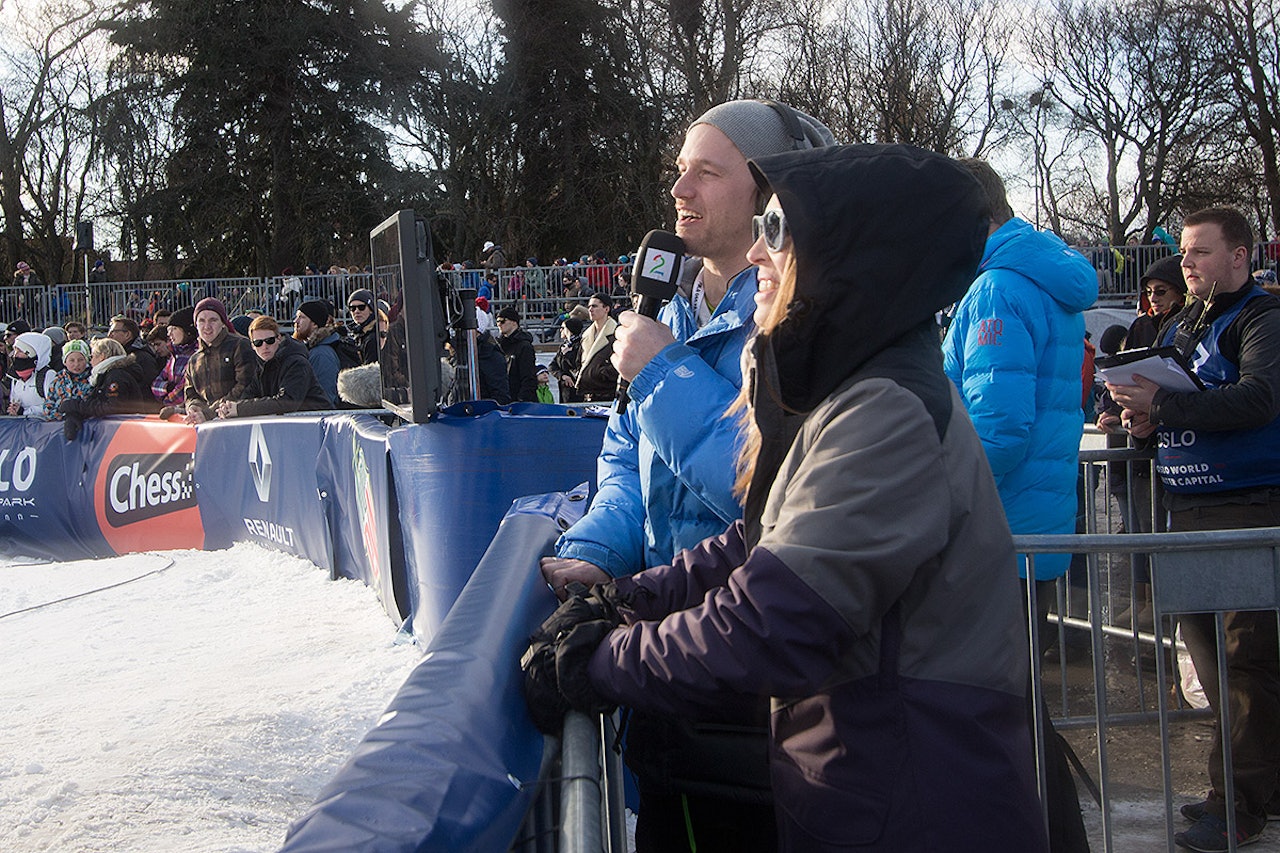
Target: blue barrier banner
46,498
124,485
452,764
256,482
354,476
456,476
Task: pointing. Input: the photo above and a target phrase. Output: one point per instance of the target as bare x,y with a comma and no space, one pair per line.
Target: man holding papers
1218,456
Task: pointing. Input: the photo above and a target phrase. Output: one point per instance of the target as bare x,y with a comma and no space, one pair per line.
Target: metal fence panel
1239,578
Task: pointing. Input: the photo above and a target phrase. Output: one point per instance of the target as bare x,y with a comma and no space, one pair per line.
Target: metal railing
580,808
537,289
1247,560
538,293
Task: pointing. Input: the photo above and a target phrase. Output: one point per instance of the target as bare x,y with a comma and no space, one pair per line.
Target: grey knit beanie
757,129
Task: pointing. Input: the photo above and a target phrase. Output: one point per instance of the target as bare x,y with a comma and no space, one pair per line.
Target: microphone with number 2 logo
653,278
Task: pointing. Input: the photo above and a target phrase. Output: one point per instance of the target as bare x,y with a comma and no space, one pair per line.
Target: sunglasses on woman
260,342
773,225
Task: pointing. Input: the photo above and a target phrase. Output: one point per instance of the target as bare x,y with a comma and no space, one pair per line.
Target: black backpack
41,373
348,353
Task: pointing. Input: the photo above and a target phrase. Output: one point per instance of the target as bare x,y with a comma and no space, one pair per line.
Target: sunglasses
773,225
1157,291
358,306
264,341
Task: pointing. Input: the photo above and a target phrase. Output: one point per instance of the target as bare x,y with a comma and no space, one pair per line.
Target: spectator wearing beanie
364,313
116,388
171,381
1163,292
58,337
223,367
662,466
567,362
517,349
72,381
315,326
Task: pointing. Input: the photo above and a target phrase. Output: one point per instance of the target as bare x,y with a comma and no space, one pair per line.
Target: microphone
653,278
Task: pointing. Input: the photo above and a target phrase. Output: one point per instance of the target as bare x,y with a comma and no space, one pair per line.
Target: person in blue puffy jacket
665,473
1015,351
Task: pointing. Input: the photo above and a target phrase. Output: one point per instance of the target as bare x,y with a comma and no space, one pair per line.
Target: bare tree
1248,33
48,63
1133,102
888,71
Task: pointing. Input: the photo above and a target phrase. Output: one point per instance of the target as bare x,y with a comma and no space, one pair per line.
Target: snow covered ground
200,705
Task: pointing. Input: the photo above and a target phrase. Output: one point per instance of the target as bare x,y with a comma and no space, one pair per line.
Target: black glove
541,692
71,423
610,602
555,674
573,653
580,606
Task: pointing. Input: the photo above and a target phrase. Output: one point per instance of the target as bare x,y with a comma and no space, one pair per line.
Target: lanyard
698,301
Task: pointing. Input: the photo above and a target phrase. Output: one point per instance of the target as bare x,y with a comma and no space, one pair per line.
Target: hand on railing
555,664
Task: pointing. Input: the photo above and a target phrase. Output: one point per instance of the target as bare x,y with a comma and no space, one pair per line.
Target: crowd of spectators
495,278
195,362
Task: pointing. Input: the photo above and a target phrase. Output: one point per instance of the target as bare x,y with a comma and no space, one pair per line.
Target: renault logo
260,463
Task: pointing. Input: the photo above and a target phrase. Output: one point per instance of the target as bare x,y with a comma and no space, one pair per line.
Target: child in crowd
544,385
72,382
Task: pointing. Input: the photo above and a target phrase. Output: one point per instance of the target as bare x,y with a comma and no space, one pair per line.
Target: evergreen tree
278,159
584,166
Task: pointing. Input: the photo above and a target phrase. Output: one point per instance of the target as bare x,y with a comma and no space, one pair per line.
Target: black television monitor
409,354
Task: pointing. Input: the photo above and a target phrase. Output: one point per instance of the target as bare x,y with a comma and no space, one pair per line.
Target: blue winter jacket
673,449
325,364
1015,351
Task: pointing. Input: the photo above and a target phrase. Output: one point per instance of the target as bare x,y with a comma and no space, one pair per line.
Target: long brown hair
741,406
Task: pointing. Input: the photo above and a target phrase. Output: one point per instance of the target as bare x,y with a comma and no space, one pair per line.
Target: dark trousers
1066,824
673,823
1253,677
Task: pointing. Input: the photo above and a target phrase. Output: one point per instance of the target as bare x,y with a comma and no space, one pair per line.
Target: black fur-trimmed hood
884,236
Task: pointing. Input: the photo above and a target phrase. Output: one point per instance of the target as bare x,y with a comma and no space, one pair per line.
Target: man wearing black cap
314,325
517,348
364,315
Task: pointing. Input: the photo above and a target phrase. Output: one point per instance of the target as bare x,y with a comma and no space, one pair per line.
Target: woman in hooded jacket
30,376
870,589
